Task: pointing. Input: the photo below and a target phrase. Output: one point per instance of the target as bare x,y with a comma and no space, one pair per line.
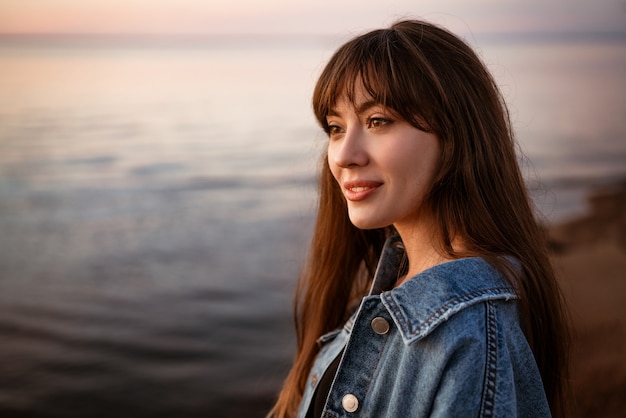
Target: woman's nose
349,151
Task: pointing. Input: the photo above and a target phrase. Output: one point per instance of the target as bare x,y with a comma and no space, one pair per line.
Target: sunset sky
304,16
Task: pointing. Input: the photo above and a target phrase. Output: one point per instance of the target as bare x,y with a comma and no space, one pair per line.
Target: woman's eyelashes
333,129
371,123
376,122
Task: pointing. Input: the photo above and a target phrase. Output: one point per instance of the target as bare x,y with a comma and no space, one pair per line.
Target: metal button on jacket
350,403
380,325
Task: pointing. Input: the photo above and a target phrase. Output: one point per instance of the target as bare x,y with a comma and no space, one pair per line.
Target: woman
428,290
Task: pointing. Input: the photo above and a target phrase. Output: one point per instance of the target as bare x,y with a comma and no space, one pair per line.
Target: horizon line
236,38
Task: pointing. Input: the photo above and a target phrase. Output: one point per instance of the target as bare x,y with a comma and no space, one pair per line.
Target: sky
305,16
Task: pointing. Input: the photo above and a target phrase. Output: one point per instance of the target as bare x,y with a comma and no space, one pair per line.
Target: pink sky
303,16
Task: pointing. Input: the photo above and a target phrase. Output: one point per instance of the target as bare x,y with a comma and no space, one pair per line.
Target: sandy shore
589,254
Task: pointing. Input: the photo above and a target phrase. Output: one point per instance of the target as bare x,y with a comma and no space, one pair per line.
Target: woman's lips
360,189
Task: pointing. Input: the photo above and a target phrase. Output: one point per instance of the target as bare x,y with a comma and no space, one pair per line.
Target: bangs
385,69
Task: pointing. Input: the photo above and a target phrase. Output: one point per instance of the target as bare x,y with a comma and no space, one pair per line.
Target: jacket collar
423,302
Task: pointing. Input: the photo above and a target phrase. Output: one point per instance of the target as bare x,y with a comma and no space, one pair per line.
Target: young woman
428,290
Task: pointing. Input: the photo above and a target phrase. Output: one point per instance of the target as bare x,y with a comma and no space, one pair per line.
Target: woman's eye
334,129
373,123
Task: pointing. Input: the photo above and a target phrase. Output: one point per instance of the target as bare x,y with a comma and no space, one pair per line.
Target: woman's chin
367,223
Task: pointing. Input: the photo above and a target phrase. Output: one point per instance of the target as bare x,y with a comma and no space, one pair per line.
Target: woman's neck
422,250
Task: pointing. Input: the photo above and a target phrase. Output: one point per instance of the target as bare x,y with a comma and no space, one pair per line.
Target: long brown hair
437,83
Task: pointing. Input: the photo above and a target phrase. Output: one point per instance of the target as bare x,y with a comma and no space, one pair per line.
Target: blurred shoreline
604,221
589,255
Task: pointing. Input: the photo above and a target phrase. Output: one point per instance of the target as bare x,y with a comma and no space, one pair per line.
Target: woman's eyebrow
332,112
359,109
365,106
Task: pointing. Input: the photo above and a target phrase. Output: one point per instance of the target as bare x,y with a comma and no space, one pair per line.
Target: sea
157,196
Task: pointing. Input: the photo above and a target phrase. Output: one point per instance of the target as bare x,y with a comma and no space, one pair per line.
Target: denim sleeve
457,355
486,366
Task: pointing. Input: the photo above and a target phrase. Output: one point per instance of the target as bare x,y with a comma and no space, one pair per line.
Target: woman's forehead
355,95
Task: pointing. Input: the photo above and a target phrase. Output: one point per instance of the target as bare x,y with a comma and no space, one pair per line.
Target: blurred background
157,188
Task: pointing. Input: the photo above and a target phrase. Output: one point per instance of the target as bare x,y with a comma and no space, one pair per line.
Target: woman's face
384,165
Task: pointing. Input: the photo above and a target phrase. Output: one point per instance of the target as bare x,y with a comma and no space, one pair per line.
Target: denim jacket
446,343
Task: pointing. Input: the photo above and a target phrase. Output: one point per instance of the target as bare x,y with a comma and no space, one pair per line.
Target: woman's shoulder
432,297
